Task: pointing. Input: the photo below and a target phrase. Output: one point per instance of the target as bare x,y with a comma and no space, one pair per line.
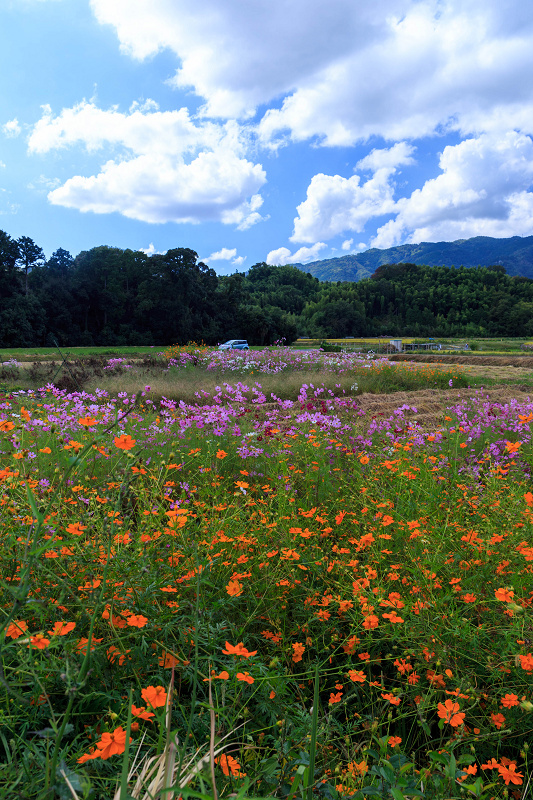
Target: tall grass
343,377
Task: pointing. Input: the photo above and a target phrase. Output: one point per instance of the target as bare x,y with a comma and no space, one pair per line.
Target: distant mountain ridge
515,254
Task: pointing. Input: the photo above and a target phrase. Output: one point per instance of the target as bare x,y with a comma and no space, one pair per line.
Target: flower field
258,596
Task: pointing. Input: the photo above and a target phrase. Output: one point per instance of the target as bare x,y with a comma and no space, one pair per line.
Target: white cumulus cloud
11,128
165,167
435,64
151,250
283,255
344,71
483,189
335,204
225,254
238,55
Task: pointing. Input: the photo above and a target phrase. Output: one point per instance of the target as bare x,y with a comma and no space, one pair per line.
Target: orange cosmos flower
435,679
94,584
349,647
393,616
234,589
528,497
395,701
142,713
62,628
154,696
6,426
492,764
115,655
526,662
357,676
450,712
167,661
504,595
509,774
113,743
238,650
44,450
335,698
137,621
39,641
221,454
512,447
92,754
76,529
360,768
498,720
394,740
81,647
299,650
364,460
124,442
223,676
245,676
17,628
87,422
230,766
387,520
371,622
509,700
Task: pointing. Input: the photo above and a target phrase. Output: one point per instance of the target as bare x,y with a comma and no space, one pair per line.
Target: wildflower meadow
259,592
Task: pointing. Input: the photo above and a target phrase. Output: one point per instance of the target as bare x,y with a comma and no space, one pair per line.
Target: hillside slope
514,253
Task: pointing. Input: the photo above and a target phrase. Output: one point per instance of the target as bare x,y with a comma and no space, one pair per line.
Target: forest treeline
109,296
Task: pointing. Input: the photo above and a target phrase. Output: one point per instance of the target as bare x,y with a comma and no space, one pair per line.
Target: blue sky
253,130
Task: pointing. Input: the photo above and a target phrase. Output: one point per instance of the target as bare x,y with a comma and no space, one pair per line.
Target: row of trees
414,300
108,296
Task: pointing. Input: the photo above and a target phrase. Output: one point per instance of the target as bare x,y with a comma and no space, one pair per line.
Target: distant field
52,353
495,346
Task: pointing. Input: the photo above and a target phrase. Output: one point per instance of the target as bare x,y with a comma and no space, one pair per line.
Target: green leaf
396,793
405,767
452,767
296,782
269,766
64,777
33,505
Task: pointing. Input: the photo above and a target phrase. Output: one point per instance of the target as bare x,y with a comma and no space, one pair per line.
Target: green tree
30,256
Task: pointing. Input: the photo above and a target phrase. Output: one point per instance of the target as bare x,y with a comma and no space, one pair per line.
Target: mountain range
515,254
